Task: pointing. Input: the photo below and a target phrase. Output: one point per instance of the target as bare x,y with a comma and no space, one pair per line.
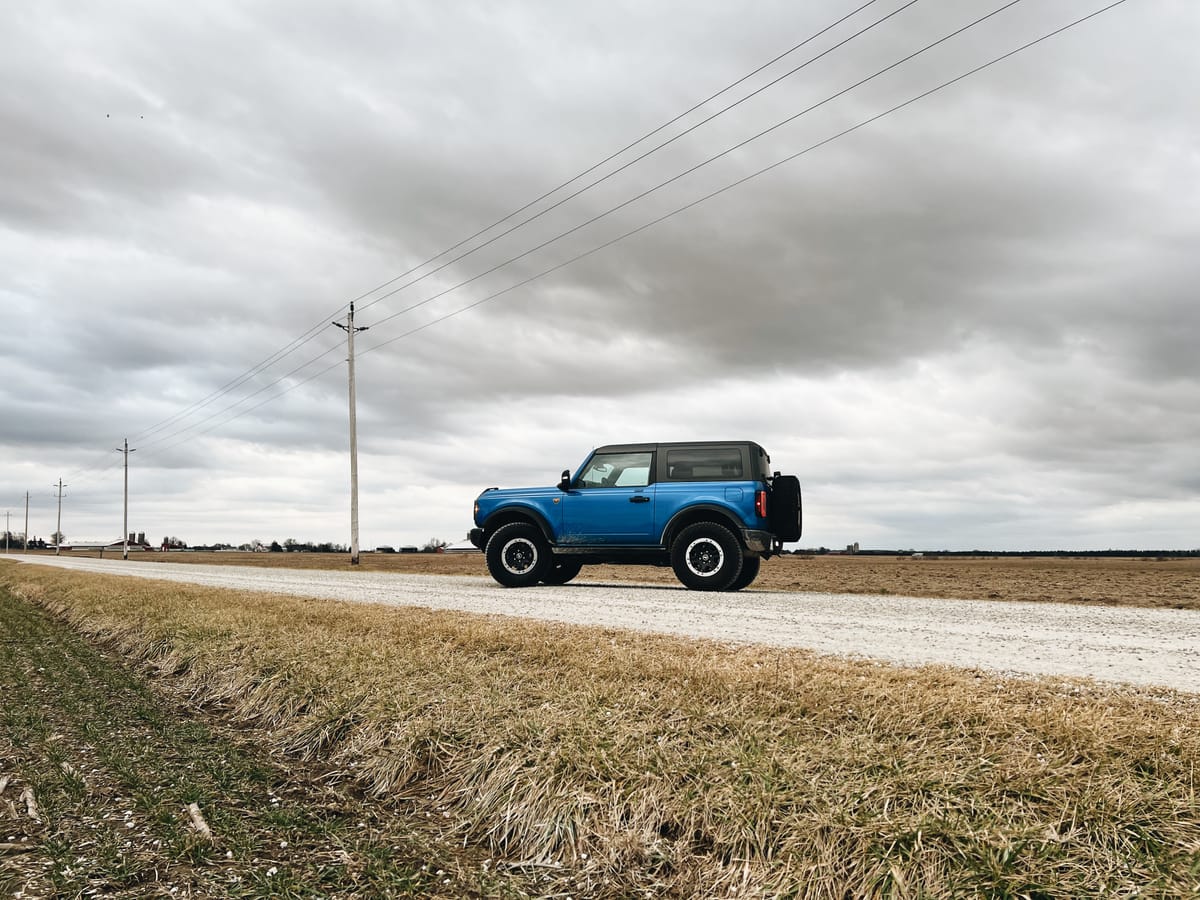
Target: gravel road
1138,646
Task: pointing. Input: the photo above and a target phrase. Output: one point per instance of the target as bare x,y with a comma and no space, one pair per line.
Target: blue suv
712,510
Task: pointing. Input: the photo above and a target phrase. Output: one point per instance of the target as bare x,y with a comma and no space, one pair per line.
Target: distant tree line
13,539
291,545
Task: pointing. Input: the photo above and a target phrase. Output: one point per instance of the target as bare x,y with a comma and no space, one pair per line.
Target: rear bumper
757,541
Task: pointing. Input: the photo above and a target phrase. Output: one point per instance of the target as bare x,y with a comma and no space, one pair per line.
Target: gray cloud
969,322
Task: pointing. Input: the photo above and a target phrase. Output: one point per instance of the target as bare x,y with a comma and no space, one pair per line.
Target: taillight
760,504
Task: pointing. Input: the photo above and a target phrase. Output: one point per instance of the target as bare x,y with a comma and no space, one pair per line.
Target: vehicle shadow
623,584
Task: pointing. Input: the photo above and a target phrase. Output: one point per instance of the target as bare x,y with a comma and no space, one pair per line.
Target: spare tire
783,508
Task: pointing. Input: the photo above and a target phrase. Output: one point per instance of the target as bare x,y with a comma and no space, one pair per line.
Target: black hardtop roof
634,448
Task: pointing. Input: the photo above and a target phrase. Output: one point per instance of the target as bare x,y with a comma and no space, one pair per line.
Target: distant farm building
136,542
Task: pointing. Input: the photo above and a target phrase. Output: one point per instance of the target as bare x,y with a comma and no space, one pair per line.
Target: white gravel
1159,647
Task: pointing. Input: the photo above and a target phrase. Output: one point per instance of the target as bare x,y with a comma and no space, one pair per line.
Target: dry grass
1107,581
109,788
641,763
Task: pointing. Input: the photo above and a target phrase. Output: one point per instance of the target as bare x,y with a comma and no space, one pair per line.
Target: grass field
1113,581
97,772
549,760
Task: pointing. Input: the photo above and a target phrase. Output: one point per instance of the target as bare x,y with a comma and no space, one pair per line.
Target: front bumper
475,536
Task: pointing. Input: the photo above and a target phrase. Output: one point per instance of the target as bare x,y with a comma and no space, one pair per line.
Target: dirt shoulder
1107,581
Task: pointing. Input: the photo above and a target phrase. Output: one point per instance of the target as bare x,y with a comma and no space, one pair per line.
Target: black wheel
706,557
517,555
562,571
750,567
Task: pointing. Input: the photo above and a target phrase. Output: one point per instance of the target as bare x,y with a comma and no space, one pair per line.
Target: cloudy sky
971,322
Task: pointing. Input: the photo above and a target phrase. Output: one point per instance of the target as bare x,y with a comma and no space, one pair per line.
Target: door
611,501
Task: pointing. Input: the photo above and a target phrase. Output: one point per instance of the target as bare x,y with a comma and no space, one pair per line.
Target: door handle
639,498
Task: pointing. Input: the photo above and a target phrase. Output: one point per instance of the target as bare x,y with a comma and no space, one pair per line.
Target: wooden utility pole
350,329
125,527
26,547
58,524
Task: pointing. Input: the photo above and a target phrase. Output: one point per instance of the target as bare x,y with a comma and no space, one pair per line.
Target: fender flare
709,512
516,513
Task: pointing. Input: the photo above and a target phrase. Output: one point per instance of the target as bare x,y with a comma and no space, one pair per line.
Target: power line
96,468
637,197
230,386
259,405
676,211
184,431
644,155
749,177
739,145
248,397
318,327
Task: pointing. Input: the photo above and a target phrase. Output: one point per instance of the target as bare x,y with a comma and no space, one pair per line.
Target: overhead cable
739,145
685,207
751,176
316,329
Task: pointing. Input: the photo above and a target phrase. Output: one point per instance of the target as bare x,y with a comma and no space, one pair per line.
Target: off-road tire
706,557
517,555
561,571
750,567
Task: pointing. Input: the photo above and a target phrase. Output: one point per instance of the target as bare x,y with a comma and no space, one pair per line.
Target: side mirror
564,483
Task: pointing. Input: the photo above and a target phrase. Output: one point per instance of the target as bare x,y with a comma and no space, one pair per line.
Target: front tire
561,571
517,555
706,557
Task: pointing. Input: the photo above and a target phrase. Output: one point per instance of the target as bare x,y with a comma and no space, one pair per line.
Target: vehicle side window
707,464
616,470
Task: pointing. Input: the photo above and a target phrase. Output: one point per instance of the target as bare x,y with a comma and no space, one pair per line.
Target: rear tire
517,555
750,566
706,557
561,571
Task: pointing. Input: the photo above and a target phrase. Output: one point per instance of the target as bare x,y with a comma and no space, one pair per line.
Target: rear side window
706,464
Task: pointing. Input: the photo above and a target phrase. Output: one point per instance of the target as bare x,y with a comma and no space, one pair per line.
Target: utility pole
26,548
350,329
125,527
58,523
6,516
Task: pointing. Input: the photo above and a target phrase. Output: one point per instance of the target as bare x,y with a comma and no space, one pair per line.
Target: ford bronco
712,510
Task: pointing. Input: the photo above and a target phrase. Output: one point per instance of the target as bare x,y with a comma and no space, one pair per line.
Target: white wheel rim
704,557
519,556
